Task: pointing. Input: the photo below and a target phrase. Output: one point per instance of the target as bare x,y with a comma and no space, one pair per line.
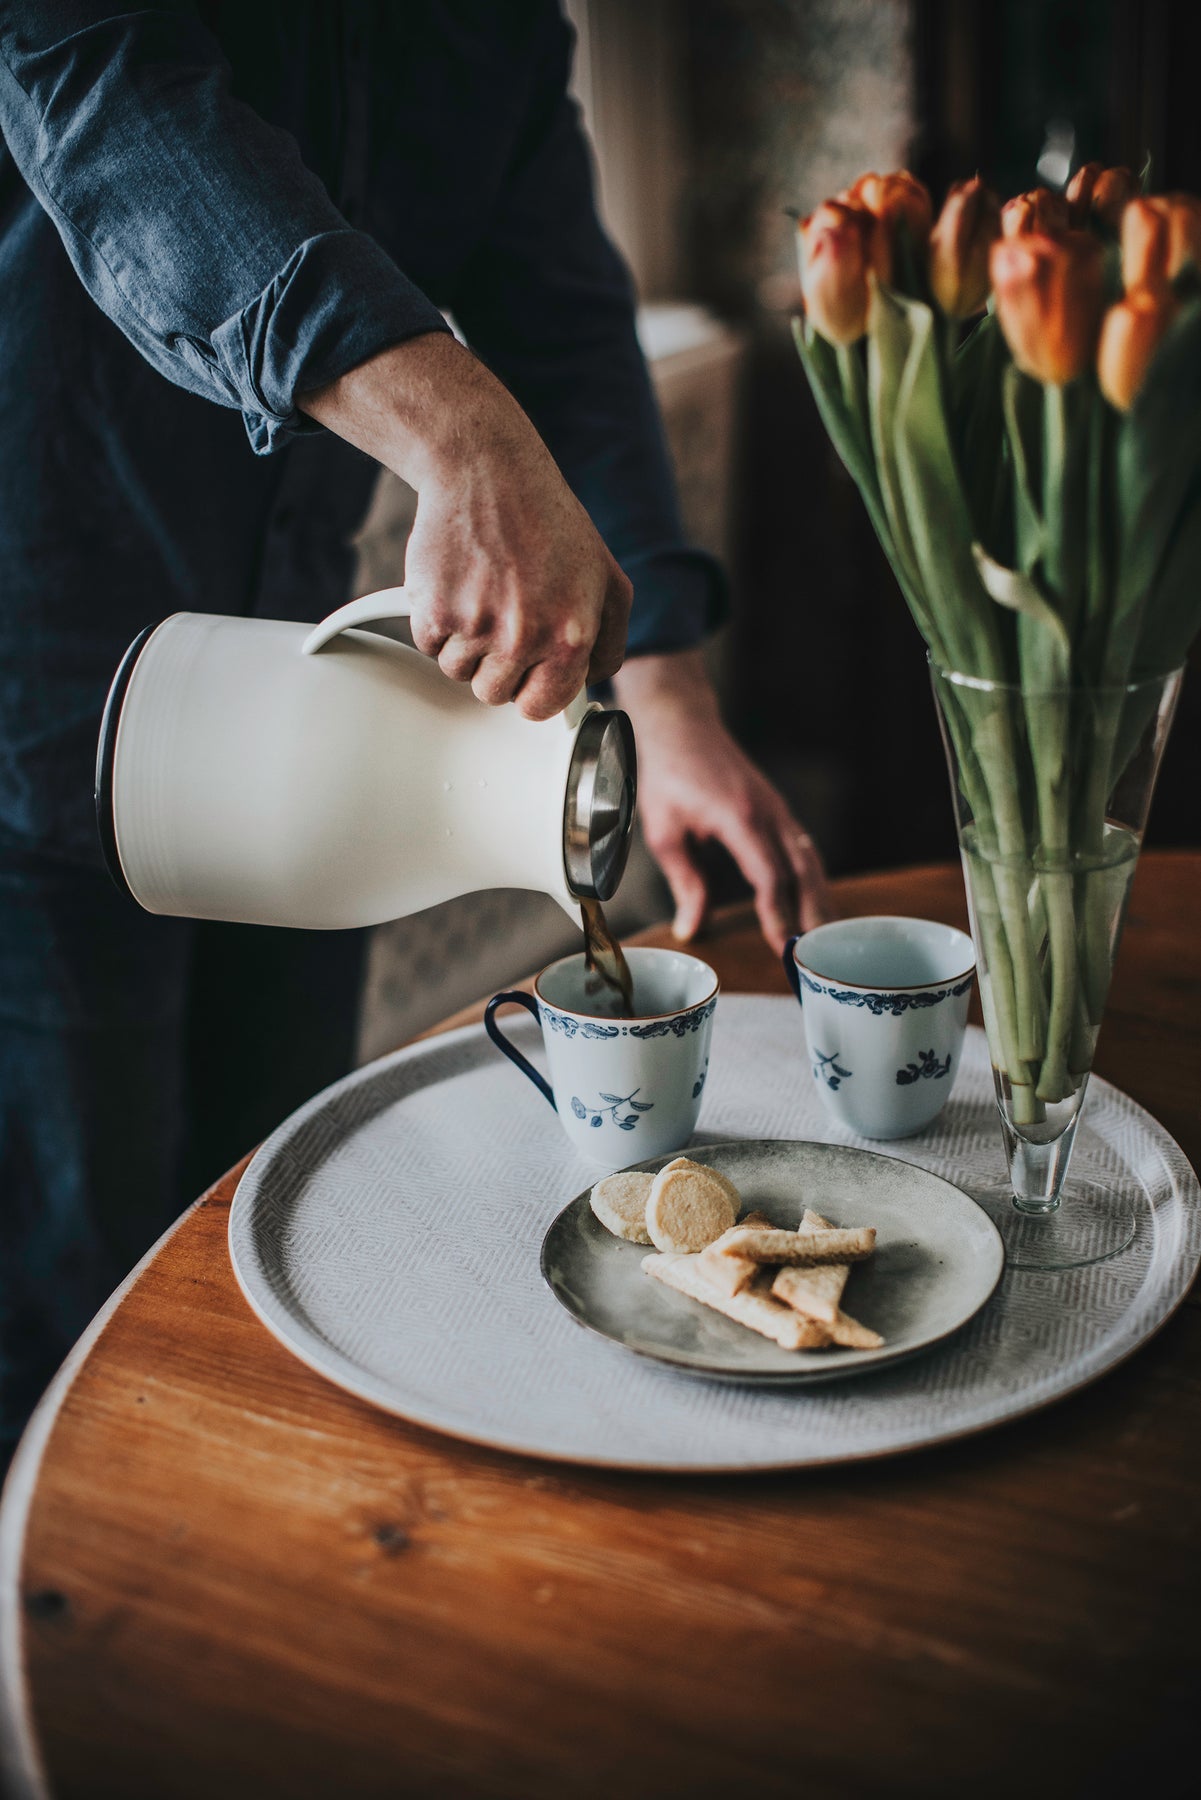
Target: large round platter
389,1235
938,1258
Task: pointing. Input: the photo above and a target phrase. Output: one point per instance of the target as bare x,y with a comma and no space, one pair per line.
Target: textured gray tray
388,1233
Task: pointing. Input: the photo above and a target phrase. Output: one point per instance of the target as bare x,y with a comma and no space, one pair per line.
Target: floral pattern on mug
927,1066
830,1070
611,1105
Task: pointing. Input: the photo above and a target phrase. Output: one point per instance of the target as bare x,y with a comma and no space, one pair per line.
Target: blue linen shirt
256,197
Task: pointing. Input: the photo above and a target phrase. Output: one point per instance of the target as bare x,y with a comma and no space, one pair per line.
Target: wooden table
220,1576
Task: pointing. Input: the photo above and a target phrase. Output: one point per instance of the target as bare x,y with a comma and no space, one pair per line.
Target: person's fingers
428,638
755,845
689,892
608,652
460,657
497,679
429,624
805,857
550,685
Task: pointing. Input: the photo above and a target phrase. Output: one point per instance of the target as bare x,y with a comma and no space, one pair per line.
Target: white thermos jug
256,770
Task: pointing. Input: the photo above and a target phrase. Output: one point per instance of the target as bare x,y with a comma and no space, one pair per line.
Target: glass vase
1052,790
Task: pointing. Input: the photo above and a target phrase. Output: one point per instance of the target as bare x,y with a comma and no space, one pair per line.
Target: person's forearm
672,683
508,583
421,408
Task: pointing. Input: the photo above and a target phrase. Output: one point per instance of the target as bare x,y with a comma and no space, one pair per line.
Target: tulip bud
1050,295
1113,191
835,246
1040,211
1160,236
1095,192
1145,241
1079,192
890,199
1183,213
967,226
1131,334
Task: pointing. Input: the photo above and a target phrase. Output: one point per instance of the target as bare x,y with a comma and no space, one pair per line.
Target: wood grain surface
229,1578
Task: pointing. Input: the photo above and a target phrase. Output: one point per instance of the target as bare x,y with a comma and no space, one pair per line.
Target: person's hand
510,585
694,784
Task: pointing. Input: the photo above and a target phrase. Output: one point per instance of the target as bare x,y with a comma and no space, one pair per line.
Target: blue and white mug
885,1005
624,1089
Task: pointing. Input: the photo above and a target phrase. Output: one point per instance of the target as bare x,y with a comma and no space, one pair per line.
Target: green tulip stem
996,750
1054,1082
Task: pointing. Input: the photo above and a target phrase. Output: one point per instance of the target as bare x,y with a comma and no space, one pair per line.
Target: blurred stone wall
788,101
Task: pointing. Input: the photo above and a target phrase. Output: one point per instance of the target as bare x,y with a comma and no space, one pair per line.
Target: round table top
220,1574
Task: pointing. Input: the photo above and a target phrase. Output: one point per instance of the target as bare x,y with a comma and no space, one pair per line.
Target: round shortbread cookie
619,1202
687,1210
686,1162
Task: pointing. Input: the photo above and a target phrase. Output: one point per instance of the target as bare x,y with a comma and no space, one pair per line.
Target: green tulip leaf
1022,405
890,341
844,422
975,399
1020,593
935,507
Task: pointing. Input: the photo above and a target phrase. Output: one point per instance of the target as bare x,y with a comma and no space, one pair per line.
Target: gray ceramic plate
938,1258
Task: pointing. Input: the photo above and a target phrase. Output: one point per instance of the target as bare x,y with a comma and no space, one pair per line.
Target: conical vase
1052,791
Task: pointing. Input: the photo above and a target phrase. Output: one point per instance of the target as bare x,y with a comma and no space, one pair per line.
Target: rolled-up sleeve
192,222
548,303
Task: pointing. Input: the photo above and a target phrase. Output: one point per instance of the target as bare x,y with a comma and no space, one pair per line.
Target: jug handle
387,603
392,603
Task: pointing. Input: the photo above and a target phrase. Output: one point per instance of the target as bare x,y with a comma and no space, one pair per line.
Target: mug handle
790,969
515,998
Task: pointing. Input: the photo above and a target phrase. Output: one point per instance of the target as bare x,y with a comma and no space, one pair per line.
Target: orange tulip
1150,259
1079,193
1113,191
1040,211
967,226
1097,192
1050,296
890,199
835,247
1131,334
1184,231
1145,244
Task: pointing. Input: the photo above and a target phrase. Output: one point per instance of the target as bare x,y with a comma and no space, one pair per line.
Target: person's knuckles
428,623
566,666
745,822
536,632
